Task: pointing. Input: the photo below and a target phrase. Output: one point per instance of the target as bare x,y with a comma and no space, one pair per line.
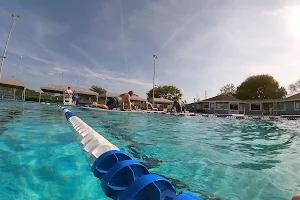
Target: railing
121,177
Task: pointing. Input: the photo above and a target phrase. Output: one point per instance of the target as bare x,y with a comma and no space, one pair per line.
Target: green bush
30,98
36,99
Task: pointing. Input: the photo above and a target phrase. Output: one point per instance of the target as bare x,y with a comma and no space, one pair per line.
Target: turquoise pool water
214,158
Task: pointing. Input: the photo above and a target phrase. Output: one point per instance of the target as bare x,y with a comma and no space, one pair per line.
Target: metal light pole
154,59
6,44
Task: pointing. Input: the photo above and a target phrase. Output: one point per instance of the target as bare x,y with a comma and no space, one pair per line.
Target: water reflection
6,118
200,154
261,140
123,129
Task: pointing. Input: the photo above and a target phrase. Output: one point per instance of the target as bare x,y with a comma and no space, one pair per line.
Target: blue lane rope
121,177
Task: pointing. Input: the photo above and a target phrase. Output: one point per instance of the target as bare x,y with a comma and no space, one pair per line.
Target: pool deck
228,116
138,111
241,116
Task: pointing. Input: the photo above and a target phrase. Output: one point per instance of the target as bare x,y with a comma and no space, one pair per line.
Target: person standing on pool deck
75,97
179,106
115,102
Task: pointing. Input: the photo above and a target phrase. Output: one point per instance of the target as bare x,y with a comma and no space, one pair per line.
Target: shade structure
51,88
61,88
15,84
112,94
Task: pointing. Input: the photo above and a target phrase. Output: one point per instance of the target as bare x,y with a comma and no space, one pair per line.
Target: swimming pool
211,157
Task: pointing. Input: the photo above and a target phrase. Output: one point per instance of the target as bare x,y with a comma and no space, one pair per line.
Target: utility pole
205,94
154,59
14,18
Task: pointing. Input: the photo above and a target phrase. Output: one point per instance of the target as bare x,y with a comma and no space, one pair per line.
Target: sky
201,44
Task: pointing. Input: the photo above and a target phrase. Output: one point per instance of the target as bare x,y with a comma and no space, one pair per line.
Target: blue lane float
106,161
121,177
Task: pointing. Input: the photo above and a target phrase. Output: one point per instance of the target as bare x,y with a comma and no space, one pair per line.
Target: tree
260,87
98,89
228,90
167,91
294,88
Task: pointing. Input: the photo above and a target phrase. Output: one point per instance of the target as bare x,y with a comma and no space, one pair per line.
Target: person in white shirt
68,92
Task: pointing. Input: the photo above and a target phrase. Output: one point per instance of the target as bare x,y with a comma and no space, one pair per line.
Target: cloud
115,78
44,29
59,69
220,47
4,12
38,59
84,53
100,75
177,31
201,45
33,40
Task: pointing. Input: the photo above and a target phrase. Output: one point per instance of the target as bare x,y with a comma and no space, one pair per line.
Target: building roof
111,94
60,89
224,98
291,98
294,97
262,100
221,98
12,83
161,100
